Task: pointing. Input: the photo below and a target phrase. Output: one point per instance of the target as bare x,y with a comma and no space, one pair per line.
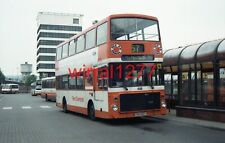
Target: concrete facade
52,29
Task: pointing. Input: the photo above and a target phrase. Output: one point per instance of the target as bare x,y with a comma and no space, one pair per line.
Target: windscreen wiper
151,84
125,87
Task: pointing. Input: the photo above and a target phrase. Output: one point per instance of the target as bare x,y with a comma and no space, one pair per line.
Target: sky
182,22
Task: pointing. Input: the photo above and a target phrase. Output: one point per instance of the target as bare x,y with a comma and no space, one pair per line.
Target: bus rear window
14,86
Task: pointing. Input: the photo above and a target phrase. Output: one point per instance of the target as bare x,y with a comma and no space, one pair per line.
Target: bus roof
133,15
33,83
107,19
10,84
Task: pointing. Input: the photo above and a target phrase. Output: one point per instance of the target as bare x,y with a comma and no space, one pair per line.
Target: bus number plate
140,114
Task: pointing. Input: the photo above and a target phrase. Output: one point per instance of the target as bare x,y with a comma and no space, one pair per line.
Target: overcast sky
181,22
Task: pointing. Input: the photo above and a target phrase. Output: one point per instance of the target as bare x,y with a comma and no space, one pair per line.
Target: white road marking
26,107
44,106
7,108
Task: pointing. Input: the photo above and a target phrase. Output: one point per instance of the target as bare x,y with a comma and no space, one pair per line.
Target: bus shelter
195,75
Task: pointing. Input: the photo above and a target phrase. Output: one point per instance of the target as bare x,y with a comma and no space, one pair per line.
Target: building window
49,42
54,35
46,66
59,27
46,58
80,44
75,21
90,39
102,34
46,50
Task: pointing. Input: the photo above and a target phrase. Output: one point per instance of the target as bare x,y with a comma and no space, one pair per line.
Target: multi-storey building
53,28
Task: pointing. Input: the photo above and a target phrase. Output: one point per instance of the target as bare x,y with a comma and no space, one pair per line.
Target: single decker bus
48,91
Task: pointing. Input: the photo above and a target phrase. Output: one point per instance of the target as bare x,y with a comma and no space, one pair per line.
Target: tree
29,79
2,77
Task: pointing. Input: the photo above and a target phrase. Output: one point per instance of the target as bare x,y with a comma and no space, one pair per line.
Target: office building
52,29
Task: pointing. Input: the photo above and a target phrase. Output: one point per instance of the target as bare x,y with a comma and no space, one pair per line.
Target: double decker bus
113,69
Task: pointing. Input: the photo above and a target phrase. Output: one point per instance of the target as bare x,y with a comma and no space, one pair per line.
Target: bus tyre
65,106
91,111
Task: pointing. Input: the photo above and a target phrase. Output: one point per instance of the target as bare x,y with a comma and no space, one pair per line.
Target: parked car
35,89
10,88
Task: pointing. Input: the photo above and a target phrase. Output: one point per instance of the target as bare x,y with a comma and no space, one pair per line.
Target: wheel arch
89,102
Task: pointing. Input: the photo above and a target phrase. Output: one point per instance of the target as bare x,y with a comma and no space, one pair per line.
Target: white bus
10,88
48,91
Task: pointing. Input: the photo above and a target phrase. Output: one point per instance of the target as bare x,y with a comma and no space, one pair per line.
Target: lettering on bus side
78,99
104,72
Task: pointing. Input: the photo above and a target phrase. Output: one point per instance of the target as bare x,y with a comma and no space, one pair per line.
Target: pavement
27,119
208,124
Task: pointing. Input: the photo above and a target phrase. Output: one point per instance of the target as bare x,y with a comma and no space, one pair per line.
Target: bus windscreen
135,74
134,29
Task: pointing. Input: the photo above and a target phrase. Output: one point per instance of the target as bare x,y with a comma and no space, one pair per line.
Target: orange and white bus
48,91
113,69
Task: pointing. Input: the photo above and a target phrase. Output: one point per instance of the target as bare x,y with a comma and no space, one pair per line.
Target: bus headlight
163,104
157,46
115,107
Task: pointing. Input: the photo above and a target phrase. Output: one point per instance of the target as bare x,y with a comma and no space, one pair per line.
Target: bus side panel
59,98
77,101
51,93
101,101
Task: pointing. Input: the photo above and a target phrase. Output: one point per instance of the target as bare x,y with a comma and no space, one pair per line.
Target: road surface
27,119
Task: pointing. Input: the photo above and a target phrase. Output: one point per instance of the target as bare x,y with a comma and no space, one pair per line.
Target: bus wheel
64,106
91,111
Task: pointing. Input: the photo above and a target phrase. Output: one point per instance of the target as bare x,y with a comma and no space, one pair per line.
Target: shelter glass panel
222,85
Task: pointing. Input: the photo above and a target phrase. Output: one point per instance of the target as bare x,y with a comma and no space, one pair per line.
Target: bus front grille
139,101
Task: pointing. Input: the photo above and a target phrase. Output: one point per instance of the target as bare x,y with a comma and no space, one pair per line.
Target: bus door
89,82
100,81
